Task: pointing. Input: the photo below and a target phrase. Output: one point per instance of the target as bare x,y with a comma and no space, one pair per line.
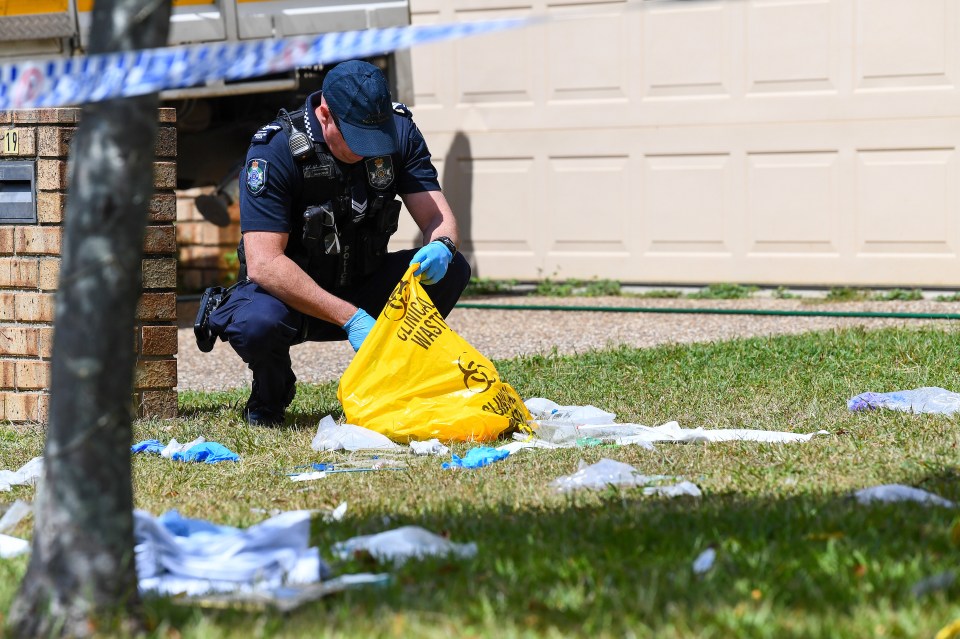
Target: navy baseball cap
357,94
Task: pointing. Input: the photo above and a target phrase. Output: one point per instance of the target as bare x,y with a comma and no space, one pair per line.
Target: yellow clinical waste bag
415,379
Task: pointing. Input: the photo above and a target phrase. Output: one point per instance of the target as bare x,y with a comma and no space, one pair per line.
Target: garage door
756,141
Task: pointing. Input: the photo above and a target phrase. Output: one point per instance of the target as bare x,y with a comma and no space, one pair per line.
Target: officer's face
333,137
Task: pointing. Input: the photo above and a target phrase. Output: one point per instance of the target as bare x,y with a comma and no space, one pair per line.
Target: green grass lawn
796,556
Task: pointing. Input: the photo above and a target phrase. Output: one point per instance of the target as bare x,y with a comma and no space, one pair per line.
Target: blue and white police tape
73,81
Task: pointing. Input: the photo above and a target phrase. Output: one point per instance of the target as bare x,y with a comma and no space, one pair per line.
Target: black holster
212,298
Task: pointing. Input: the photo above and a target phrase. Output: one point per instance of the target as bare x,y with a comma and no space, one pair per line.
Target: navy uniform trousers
261,328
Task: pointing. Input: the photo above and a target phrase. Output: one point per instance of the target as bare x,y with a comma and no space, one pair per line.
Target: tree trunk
82,578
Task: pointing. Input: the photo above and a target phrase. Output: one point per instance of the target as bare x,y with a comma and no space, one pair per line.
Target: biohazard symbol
476,377
396,308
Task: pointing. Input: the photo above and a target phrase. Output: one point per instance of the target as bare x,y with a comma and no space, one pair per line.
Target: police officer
317,209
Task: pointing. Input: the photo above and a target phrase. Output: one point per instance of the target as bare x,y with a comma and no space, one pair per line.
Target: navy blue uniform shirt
272,205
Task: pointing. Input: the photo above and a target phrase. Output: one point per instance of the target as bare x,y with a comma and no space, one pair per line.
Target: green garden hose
707,311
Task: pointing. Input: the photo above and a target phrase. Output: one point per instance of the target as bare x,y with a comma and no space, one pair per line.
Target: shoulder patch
401,109
263,134
379,171
255,176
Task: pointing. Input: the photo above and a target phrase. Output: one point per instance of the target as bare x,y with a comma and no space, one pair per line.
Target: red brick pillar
30,267
207,253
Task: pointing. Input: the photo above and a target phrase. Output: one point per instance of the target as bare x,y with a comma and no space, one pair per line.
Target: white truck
215,121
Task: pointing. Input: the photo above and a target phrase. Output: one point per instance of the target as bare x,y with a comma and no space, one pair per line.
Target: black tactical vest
344,215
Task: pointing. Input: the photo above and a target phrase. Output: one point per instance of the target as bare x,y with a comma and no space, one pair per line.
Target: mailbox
18,192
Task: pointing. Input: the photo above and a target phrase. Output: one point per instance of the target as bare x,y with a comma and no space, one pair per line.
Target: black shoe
256,414
263,417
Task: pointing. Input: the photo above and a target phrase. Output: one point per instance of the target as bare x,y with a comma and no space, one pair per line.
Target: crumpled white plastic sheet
429,447
29,473
337,514
890,493
401,544
175,555
567,435
333,436
288,597
672,432
607,472
704,561
176,447
524,441
543,409
567,425
14,515
13,546
311,476
927,399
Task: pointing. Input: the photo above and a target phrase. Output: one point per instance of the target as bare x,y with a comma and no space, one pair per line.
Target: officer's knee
459,271
447,291
253,333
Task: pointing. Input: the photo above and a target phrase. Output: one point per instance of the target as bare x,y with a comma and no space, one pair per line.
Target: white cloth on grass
544,409
176,447
13,546
704,561
29,473
333,436
566,425
429,447
14,514
672,432
406,542
523,441
889,493
608,472
176,555
567,435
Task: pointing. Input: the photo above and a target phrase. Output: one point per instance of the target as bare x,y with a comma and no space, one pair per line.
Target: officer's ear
323,113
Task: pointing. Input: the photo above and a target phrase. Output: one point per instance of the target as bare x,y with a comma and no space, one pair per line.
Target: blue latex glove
358,327
209,452
180,526
434,258
147,446
476,458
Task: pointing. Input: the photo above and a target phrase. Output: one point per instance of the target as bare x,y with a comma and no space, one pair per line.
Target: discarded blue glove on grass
477,458
208,452
147,446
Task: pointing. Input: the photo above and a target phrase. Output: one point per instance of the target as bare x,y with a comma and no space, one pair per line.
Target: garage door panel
904,200
789,46
428,66
502,212
792,204
506,74
685,51
685,207
588,73
905,44
587,203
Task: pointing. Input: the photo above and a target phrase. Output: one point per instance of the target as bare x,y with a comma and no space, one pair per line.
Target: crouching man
317,209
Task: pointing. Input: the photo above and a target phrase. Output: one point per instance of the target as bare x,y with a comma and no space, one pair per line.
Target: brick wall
30,267
205,250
